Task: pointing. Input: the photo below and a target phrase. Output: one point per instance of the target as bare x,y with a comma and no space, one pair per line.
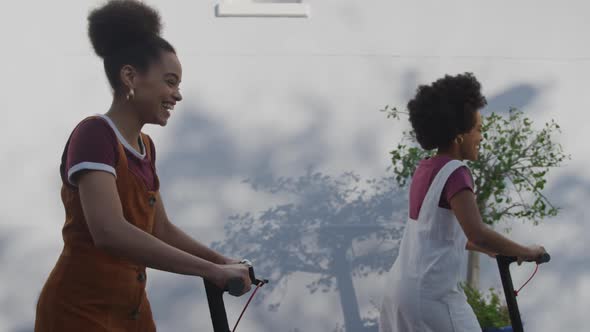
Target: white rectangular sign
249,8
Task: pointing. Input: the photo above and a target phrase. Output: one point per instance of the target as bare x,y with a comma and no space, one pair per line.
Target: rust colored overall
90,290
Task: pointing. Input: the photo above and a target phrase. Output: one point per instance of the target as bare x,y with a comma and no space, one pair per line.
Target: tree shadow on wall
334,228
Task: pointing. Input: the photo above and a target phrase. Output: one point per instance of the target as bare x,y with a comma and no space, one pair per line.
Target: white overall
422,293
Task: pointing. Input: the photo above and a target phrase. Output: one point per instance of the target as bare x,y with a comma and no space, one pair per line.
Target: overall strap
432,197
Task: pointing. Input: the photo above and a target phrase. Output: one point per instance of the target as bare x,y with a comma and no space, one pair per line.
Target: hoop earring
459,140
131,94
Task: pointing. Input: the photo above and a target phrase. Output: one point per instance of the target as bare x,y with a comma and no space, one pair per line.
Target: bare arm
111,232
166,231
473,247
480,235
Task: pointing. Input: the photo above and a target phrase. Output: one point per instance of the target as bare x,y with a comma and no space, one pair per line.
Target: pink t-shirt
427,169
93,145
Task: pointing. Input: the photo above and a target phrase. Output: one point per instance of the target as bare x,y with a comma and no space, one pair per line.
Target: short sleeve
458,181
92,146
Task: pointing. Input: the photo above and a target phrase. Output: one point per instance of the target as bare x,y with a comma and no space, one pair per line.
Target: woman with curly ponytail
115,222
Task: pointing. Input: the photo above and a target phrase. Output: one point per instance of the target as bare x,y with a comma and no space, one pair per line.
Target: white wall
273,96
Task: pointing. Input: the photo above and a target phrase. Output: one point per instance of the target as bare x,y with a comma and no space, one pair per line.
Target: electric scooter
234,287
509,291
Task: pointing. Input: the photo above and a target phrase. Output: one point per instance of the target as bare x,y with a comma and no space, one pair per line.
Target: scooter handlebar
545,258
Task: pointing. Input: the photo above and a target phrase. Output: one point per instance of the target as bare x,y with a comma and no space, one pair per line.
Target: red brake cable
247,303
517,291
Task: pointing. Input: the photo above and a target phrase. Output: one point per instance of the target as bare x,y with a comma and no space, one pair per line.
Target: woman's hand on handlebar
230,272
534,254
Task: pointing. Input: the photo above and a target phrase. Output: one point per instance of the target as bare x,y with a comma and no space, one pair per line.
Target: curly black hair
444,109
126,32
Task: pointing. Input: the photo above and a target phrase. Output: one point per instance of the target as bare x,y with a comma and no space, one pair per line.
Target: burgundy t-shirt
93,145
427,169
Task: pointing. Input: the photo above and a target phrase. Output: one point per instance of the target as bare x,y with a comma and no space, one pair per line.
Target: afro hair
444,109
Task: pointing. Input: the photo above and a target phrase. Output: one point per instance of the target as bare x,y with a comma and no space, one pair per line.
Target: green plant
488,309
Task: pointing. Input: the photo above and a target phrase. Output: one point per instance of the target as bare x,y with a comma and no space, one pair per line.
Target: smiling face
157,90
469,147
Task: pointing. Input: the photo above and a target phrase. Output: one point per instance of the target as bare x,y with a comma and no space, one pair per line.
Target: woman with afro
444,220
116,225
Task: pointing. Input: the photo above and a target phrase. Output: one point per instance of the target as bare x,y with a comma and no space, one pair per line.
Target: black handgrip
235,286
